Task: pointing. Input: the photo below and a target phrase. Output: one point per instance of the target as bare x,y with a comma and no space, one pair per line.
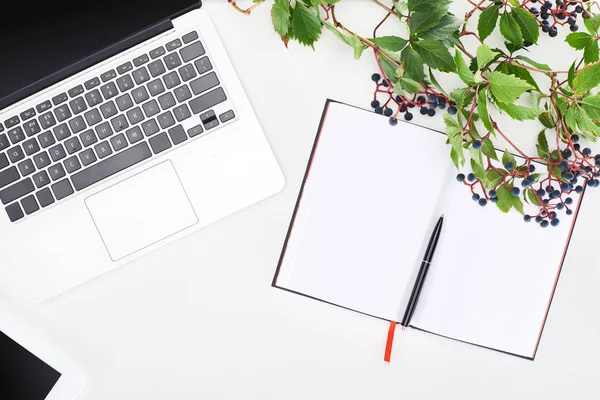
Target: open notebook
371,196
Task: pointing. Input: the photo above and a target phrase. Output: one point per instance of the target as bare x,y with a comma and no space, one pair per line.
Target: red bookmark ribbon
390,341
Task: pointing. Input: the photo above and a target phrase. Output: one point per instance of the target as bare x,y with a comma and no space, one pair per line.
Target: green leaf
493,178
571,74
485,55
507,88
420,21
510,29
435,83
531,195
435,54
578,40
478,170
524,74
391,43
413,65
536,64
504,202
446,31
591,53
487,148
358,46
591,105
508,157
388,67
280,15
517,203
587,79
528,24
464,72
458,97
514,3
487,21
424,5
592,24
584,122
519,113
305,25
455,138
569,118
410,85
483,110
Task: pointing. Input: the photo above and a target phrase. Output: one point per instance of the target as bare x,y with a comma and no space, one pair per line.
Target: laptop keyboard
110,123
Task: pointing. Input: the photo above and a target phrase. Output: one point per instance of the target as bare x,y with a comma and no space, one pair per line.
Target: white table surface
198,319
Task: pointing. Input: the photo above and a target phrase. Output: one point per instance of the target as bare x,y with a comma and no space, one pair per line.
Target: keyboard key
12,122
135,115
4,143
140,95
182,112
47,120
160,143
3,161
45,106
72,164
29,205
57,152
62,113
171,80
166,101
173,45
121,69
151,108
109,90
88,138
125,83
150,127
134,135
78,105
76,91
172,61
14,212
41,160
204,83
103,150
108,109
141,75
16,135
166,120
73,145
187,72
203,65
77,124
61,132
61,98
32,127
16,154
177,135
226,116
25,115
104,130
9,176
211,124
31,146
26,167
124,102
92,117
111,166
119,123
190,37
62,189
207,100
56,171
192,51
108,75
46,139
156,68
208,116
118,142
19,189
45,198
143,59
87,157
157,52
93,98
182,93
92,83
41,179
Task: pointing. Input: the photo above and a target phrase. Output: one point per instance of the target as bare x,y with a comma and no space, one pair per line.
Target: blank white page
367,210
492,276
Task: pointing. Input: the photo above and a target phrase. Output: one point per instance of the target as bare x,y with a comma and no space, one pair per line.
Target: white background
198,319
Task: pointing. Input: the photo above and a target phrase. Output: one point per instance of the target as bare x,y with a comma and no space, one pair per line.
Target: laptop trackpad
141,210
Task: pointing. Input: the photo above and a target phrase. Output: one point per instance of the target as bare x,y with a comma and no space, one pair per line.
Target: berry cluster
393,104
560,13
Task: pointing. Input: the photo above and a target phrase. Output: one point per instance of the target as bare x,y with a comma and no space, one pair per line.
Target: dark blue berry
515,191
393,121
493,193
388,112
548,4
475,197
575,138
384,83
567,153
596,182
375,103
471,177
408,116
586,152
552,214
403,107
546,201
571,20
525,183
564,187
568,201
526,218
477,144
375,77
568,175
577,146
482,202
578,189
460,177
411,105
538,219
553,31
555,222
433,105
441,106
569,212
564,165
534,11
432,98
545,28
509,165
379,110
424,110
452,110
560,206
544,224
494,199
541,192
431,112
531,168
556,193
421,99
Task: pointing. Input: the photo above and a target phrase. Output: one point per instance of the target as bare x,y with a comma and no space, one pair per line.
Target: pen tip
442,215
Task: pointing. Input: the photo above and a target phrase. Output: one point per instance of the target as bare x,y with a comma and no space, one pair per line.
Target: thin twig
246,11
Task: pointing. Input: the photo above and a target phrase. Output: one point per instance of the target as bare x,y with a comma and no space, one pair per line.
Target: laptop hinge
87,62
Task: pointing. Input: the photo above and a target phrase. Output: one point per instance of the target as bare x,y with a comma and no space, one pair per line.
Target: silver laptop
123,127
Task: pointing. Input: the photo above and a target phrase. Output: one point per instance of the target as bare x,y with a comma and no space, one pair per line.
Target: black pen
416,292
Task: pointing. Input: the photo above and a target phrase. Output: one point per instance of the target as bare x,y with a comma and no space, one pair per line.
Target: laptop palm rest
141,211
